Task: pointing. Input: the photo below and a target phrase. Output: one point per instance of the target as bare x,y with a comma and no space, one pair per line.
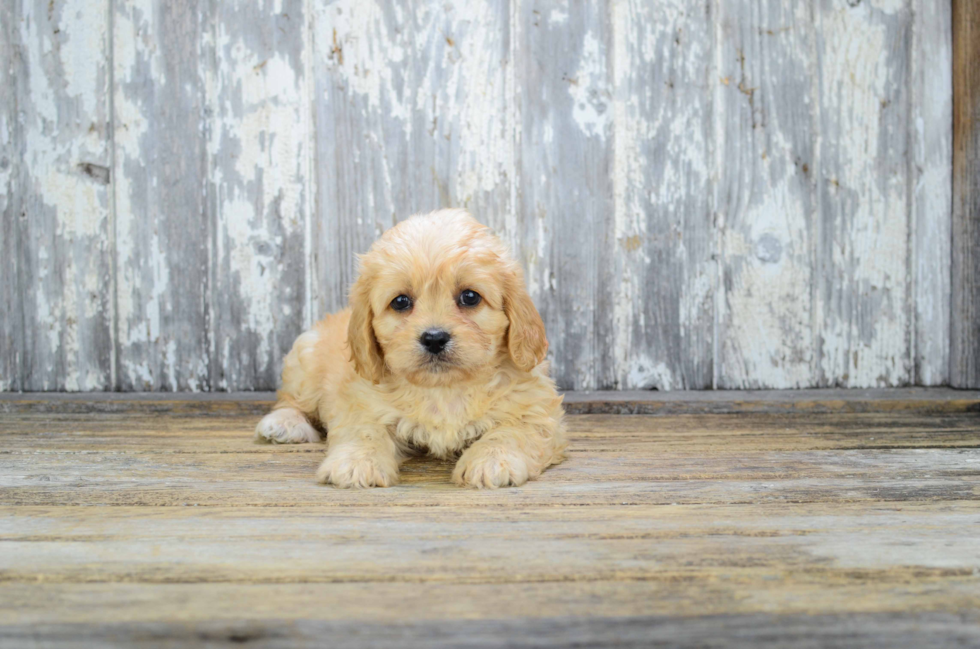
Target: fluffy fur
364,375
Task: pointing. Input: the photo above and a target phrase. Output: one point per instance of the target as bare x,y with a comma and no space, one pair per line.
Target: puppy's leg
509,457
289,421
360,456
286,425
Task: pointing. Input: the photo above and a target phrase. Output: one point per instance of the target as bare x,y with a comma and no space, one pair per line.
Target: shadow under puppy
440,350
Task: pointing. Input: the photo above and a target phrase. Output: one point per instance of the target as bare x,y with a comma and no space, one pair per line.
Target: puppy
441,350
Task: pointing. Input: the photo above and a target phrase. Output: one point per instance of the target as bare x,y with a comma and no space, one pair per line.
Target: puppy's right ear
365,352
526,339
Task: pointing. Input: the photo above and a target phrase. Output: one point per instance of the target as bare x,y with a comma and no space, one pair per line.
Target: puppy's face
437,301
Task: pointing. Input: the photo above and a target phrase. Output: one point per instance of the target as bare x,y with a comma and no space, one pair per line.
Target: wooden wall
965,333
725,193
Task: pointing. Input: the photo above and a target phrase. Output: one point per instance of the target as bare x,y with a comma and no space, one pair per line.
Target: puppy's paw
489,468
347,467
286,426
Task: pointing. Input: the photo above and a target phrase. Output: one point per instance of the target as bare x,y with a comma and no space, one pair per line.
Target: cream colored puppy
441,350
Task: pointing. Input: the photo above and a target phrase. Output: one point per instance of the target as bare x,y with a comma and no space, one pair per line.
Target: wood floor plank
99,604
700,434
168,527
286,479
310,545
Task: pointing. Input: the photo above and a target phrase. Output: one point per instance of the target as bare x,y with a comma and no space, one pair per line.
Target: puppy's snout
435,340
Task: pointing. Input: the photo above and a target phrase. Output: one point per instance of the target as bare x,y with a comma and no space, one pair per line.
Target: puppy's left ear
526,339
364,348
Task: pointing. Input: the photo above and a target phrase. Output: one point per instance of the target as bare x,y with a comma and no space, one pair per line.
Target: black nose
435,340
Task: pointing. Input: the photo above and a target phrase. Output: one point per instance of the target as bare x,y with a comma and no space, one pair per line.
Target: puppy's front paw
489,467
347,467
286,426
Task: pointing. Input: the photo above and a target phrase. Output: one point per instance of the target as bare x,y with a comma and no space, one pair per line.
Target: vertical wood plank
462,141
411,115
589,135
964,353
54,166
260,147
662,291
11,152
765,193
930,162
862,245
161,61
565,182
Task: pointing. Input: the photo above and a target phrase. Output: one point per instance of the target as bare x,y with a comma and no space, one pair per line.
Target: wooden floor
823,519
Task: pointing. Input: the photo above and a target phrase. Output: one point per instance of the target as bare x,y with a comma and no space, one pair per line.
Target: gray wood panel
661,295
740,631
765,199
864,324
162,210
260,169
565,174
54,166
775,528
931,185
964,353
728,193
411,115
12,344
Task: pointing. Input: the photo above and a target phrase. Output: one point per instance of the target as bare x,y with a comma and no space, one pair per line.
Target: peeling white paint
660,181
558,15
62,119
865,342
131,128
361,49
589,89
645,374
765,332
932,110
445,89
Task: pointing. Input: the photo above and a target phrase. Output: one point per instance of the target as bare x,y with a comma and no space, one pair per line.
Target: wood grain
930,186
661,332
564,68
259,161
923,401
765,205
726,194
860,631
171,527
862,241
56,306
11,148
411,115
964,354
162,205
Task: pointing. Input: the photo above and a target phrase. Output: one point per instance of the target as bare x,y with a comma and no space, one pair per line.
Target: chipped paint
158,130
258,155
765,315
61,113
662,311
589,89
701,194
932,110
863,320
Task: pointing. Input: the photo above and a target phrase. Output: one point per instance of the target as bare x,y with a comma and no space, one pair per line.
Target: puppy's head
438,300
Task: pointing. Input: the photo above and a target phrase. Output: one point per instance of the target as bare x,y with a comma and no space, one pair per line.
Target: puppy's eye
469,298
401,303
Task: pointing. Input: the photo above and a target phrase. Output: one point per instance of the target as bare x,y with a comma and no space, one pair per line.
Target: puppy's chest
442,428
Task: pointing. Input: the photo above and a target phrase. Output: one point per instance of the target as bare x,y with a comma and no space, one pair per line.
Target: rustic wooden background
726,193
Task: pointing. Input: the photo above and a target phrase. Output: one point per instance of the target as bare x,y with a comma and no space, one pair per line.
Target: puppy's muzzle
435,340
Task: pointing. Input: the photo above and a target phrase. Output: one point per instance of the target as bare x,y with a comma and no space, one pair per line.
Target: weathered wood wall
725,193
965,332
